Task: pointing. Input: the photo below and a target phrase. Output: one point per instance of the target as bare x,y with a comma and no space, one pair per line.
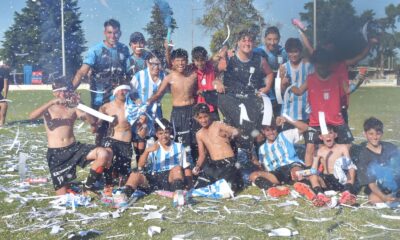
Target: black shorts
63,161
283,173
122,152
332,183
229,106
158,180
224,169
184,127
344,135
1,96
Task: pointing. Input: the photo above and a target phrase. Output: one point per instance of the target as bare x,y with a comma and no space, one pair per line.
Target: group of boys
239,84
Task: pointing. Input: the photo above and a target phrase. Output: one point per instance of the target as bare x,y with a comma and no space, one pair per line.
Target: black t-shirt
239,74
373,166
4,74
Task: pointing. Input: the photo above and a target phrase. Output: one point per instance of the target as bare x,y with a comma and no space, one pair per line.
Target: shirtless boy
339,172
183,83
214,138
118,139
64,152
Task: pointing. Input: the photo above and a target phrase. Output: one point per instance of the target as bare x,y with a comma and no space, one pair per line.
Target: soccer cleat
108,190
348,198
278,191
304,190
321,200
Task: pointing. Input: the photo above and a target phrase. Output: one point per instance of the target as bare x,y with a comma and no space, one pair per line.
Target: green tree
337,24
157,27
238,14
35,37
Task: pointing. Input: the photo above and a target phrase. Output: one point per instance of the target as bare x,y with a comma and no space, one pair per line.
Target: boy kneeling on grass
214,138
64,152
379,165
277,159
339,171
162,166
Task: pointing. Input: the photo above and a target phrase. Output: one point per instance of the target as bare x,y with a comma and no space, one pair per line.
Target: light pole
315,24
62,38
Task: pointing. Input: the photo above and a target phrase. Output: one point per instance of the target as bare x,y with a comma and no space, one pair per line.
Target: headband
121,87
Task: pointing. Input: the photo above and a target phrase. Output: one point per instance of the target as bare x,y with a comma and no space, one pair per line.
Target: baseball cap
136,37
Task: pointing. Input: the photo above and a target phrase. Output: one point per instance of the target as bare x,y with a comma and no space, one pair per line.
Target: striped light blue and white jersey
297,107
166,159
281,152
143,87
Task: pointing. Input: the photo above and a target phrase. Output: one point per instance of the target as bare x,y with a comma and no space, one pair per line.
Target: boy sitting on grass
379,165
162,166
277,159
339,171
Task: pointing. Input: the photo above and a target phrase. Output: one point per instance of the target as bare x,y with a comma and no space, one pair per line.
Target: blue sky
135,14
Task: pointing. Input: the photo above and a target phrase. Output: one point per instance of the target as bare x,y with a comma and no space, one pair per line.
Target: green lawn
248,219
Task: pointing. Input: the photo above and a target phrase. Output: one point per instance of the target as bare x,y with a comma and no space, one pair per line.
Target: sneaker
278,191
304,190
348,198
321,200
120,200
108,190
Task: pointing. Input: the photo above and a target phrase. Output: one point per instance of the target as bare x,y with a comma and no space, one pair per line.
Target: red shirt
204,82
324,96
341,69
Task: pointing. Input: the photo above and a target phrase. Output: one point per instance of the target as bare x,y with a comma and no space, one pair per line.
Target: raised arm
160,91
362,54
81,73
37,113
300,125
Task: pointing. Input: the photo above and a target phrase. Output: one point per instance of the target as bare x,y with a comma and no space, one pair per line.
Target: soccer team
309,102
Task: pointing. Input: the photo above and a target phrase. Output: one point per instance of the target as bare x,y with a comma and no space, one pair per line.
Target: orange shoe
108,190
278,191
321,200
304,190
348,198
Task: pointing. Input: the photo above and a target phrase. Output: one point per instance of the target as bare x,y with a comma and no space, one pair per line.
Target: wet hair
322,56
166,123
113,23
199,53
293,44
272,30
179,53
245,33
273,124
154,54
59,83
200,108
330,128
373,123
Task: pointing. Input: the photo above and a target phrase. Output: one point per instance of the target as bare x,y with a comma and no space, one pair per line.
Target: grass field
245,219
